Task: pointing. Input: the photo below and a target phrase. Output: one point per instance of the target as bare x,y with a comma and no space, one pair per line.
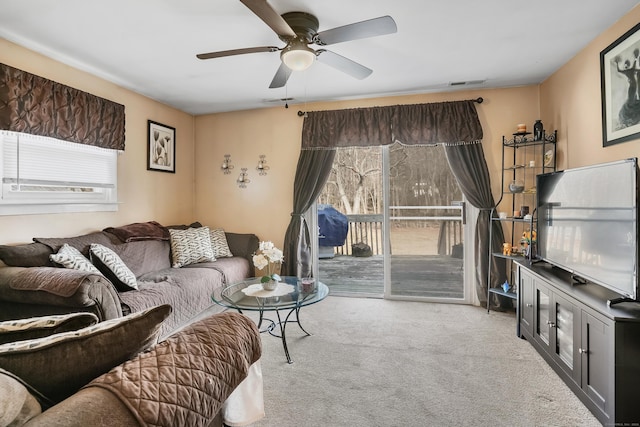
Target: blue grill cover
334,226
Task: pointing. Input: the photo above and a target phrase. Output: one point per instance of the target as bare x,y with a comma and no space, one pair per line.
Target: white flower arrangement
268,257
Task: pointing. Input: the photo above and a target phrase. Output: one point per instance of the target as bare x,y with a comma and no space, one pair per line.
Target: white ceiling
149,46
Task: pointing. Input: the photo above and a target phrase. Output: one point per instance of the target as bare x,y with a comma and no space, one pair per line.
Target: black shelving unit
523,158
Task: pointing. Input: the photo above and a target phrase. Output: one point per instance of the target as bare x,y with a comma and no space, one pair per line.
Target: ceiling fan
300,29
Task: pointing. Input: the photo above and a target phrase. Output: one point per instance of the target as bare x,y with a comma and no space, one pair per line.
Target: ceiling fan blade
343,64
232,52
281,77
358,30
270,17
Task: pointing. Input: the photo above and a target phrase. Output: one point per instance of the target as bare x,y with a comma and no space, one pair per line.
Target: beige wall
264,207
570,102
144,195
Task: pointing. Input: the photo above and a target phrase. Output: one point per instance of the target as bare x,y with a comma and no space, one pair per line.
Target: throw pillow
59,365
27,255
110,264
38,327
190,246
219,244
70,257
17,405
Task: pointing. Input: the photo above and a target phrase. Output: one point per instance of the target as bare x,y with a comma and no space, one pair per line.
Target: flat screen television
587,223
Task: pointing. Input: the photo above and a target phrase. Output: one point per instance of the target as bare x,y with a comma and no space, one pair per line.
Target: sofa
123,270
71,370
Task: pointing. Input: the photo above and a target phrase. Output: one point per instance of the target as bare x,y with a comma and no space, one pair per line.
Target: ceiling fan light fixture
298,56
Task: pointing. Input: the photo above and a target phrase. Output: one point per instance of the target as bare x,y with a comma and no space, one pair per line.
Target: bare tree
419,176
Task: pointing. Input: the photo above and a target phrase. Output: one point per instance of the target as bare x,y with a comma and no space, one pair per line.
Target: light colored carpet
374,362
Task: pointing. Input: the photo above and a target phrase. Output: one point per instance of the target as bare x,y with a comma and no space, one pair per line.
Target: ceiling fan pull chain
286,94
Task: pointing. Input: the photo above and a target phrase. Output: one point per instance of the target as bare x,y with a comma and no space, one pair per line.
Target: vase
270,285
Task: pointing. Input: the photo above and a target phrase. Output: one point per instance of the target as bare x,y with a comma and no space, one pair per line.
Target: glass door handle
583,351
551,324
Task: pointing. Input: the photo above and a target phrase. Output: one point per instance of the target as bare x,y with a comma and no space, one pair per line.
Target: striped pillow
70,257
114,269
38,327
190,246
219,244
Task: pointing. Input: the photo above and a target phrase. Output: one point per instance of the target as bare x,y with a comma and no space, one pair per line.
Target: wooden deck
437,276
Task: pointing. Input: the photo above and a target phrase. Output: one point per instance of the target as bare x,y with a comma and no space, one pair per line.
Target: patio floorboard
438,276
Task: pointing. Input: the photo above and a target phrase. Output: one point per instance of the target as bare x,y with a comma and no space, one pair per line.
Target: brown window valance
450,123
38,106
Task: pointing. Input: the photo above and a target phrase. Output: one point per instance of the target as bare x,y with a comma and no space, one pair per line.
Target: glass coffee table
290,295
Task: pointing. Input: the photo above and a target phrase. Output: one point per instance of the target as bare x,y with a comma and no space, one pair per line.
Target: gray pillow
81,243
28,255
59,365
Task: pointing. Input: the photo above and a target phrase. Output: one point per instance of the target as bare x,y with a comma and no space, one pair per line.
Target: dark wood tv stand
592,345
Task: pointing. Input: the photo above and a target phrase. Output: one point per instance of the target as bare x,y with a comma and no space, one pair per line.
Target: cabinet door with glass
596,364
542,320
555,328
566,335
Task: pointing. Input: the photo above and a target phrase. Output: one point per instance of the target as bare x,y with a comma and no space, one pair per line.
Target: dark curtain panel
38,106
358,127
468,165
314,167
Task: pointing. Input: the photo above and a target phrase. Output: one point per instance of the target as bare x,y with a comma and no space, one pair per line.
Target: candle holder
226,164
243,178
262,167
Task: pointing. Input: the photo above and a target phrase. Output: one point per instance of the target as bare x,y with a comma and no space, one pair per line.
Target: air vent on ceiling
467,83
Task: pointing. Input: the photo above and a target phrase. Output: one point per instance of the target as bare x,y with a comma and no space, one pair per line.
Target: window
47,175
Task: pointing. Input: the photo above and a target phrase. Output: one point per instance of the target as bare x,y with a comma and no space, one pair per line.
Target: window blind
40,170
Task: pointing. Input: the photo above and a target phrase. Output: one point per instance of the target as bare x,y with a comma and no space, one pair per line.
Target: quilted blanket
184,380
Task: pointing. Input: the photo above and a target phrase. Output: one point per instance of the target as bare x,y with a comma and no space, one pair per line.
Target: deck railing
367,228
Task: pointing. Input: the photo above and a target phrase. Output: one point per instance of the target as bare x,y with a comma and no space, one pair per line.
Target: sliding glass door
391,224
424,220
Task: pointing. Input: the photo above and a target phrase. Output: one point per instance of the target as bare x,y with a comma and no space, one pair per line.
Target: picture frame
161,147
620,88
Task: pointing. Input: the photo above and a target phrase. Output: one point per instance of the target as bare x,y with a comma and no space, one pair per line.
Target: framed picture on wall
161,150
620,75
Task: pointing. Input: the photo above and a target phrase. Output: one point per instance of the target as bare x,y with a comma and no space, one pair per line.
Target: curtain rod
479,100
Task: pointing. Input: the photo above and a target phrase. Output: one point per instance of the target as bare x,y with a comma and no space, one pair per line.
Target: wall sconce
243,179
226,164
262,167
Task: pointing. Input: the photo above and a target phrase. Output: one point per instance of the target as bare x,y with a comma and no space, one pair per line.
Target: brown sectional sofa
32,285
213,350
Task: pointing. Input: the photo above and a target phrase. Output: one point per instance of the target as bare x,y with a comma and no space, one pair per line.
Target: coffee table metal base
287,299
282,325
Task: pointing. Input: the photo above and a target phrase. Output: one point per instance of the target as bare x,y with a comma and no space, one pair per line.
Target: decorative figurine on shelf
506,286
537,130
506,248
528,241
